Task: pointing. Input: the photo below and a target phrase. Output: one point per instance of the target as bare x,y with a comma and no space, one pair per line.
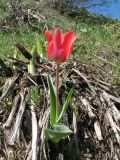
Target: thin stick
57,83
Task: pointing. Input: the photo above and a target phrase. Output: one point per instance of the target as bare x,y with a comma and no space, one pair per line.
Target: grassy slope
95,35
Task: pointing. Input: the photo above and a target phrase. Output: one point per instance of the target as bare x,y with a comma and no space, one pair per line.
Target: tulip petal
57,38
60,46
50,49
69,52
59,57
54,54
48,35
69,39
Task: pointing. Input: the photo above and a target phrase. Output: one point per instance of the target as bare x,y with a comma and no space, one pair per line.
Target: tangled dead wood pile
93,115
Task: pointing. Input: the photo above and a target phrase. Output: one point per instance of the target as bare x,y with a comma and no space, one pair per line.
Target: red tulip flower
60,46
59,50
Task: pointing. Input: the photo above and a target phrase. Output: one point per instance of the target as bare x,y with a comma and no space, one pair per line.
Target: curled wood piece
75,131
14,134
113,116
60,156
116,99
115,112
13,111
74,123
113,125
29,155
17,124
98,130
88,108
34,134
116,157
39,135
43,123
93,116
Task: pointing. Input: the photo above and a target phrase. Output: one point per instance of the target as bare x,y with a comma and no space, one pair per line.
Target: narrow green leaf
69,97
60,131
52,102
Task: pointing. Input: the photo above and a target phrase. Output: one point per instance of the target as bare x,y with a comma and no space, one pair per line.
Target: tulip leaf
31,68
52,102
69,97
60,131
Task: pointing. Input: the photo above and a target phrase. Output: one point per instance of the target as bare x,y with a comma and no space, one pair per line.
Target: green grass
8,40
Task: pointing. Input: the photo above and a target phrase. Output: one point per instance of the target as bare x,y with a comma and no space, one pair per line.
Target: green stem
57,83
